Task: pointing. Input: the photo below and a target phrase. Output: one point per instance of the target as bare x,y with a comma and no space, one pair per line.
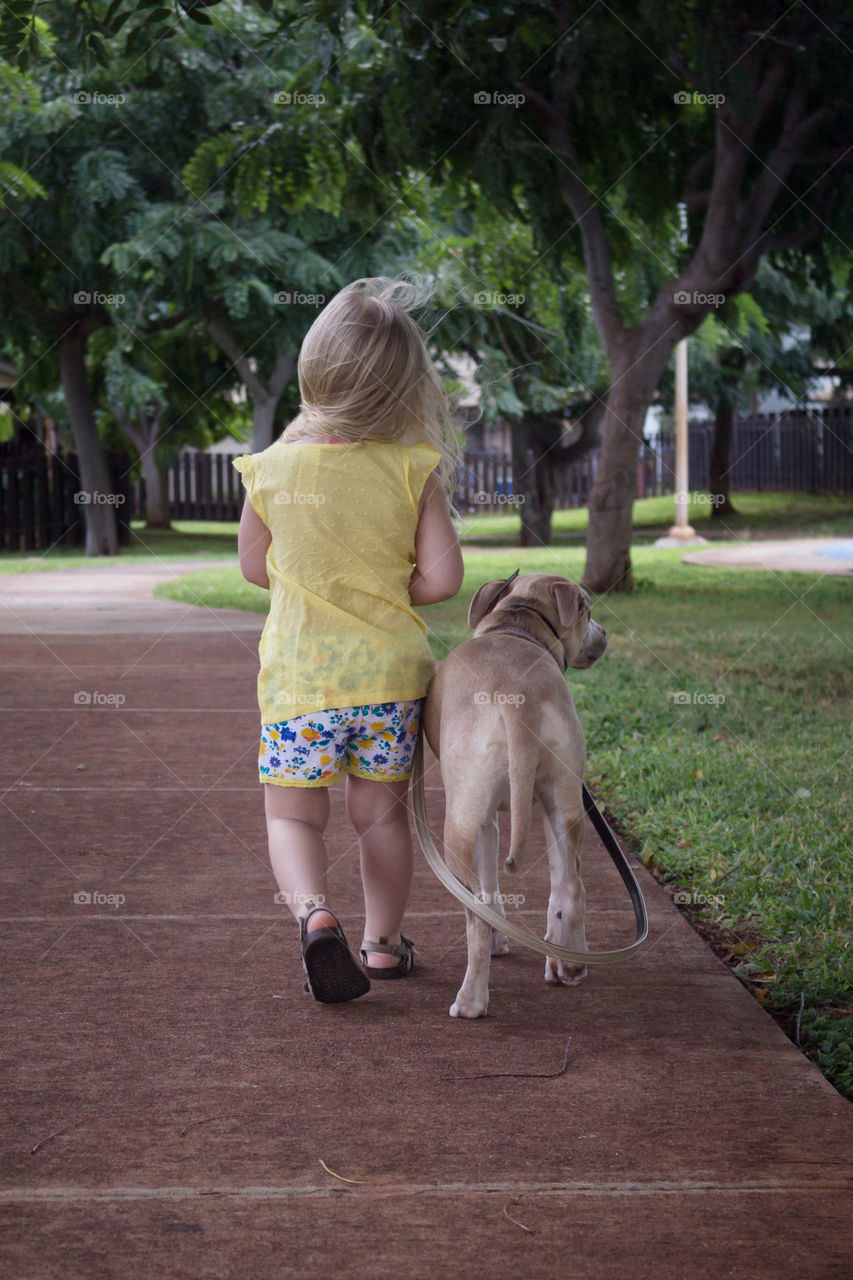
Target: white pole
681,528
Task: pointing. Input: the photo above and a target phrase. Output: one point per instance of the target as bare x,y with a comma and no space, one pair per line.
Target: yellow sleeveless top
341,631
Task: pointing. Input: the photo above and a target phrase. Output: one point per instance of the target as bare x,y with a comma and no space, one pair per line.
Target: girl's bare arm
253,538
438,568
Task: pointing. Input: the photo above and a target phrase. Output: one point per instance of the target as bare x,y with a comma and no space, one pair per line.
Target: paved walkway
784,555
170,1093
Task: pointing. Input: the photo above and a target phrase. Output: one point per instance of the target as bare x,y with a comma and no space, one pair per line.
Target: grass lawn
759,514
718,731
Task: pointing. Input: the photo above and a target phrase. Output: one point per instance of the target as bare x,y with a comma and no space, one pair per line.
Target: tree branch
238,358
583,207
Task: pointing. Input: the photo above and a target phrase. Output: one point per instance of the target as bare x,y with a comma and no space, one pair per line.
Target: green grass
784,513
186,540
718,732
757,513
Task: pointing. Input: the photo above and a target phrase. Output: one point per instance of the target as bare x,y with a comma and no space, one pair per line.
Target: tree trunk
263,421
718,464
636,372
532,481
157,512
95,495
144,439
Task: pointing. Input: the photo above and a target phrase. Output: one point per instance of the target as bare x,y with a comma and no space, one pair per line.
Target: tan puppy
500,718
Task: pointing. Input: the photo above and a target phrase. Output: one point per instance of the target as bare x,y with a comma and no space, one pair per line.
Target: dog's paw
500,943
465,1006
566,975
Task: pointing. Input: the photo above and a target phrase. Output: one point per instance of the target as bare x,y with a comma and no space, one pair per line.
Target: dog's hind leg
467,845
567,902
486,856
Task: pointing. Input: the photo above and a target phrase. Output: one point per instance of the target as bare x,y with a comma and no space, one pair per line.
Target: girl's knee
370,803
301,804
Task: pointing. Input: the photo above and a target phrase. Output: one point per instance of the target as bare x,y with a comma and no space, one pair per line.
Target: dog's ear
569,600
480,602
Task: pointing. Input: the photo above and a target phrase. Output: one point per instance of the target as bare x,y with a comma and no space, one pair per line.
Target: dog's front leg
472,998
567,902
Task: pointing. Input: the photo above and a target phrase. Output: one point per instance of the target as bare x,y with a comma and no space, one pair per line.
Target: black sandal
405,949
334,974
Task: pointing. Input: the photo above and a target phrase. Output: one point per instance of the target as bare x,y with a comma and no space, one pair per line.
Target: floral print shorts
313,750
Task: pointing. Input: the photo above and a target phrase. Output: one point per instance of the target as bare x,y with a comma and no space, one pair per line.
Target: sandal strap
400,949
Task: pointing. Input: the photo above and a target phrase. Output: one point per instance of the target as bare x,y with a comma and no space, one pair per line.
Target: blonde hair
365,374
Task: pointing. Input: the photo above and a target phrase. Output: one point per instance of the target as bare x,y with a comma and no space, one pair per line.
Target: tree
740,112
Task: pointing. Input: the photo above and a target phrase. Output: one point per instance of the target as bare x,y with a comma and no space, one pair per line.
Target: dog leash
508,927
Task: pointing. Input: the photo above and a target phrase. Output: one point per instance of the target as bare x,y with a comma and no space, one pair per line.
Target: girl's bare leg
296,820
377,810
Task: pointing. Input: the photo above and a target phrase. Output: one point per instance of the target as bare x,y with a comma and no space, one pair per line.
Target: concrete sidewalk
783,555
171,1093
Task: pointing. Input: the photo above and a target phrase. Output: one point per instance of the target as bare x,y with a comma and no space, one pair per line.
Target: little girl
346,522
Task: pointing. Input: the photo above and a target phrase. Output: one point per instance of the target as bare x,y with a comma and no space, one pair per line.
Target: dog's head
563,603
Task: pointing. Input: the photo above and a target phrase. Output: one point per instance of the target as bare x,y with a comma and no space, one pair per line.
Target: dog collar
529,608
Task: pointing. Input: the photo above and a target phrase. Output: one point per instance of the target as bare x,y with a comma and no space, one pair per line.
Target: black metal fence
808,452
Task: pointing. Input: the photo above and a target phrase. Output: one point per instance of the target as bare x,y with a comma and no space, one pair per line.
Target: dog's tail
520,793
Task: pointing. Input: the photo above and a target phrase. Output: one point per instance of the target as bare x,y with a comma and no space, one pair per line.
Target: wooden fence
796,452
41,502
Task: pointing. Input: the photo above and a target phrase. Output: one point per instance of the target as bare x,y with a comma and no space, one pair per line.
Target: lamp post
681,528
681,532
